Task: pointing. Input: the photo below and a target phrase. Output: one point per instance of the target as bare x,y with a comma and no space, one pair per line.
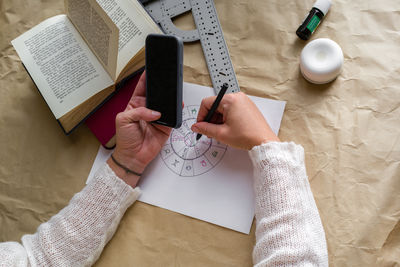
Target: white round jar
321,61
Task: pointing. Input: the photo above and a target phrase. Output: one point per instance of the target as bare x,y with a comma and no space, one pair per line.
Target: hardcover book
77,60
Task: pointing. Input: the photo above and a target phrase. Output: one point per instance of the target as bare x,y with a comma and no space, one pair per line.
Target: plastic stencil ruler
208,31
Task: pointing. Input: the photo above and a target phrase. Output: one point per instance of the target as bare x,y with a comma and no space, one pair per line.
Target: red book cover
102,122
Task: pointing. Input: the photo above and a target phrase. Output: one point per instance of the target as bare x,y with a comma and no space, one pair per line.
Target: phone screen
164,78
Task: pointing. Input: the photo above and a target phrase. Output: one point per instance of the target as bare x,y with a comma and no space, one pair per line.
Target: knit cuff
276,152
105,177
288,225
280,179
268,156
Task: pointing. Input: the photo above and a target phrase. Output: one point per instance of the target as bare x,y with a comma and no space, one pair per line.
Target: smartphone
164,57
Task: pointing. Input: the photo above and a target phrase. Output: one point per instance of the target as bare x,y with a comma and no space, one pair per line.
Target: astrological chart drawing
187,157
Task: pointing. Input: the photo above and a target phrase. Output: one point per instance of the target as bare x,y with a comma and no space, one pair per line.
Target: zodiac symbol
176,162
203,163
188,167
214,154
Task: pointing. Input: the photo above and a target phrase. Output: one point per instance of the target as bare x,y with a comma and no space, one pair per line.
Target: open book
78,59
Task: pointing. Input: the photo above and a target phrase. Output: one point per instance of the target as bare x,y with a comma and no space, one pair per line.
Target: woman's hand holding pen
237,122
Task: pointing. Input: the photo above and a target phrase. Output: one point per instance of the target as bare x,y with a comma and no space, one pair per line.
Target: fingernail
195,129
155,113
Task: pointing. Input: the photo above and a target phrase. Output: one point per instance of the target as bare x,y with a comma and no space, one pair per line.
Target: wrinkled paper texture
349,129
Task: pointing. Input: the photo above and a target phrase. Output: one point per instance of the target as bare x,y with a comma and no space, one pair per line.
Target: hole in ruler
185,21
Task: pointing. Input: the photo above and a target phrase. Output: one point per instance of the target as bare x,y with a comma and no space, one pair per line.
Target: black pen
214,106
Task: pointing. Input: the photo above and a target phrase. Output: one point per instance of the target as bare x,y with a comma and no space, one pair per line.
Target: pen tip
198,136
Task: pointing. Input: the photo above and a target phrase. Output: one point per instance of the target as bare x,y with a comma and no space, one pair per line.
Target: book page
134,25
100,33
63,67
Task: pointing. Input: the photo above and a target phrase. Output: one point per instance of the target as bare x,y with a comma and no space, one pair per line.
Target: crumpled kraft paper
349,129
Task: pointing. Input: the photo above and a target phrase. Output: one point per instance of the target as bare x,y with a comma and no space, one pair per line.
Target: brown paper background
349,129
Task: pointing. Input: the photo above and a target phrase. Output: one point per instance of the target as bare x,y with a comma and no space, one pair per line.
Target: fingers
138,98
205,106
215,131
137,114
140,89
217,118
137,102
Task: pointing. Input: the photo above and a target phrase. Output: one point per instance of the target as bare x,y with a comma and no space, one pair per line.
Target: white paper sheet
204,180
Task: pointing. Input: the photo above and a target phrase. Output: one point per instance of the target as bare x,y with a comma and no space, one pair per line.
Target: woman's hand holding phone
138,140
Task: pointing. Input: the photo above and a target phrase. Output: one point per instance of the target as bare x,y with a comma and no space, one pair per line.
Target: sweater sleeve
78,233
289,231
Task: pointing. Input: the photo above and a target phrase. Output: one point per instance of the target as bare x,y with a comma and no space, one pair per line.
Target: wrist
263,140
128,161
269,139
130,175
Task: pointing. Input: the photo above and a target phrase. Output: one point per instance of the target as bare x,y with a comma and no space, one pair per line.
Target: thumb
208,129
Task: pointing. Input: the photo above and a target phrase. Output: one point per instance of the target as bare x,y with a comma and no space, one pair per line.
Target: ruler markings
209,32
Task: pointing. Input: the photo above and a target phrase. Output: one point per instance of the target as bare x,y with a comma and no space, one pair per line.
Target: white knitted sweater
289,230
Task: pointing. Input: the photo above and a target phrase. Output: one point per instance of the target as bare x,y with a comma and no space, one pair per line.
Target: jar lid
323,5
321,61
